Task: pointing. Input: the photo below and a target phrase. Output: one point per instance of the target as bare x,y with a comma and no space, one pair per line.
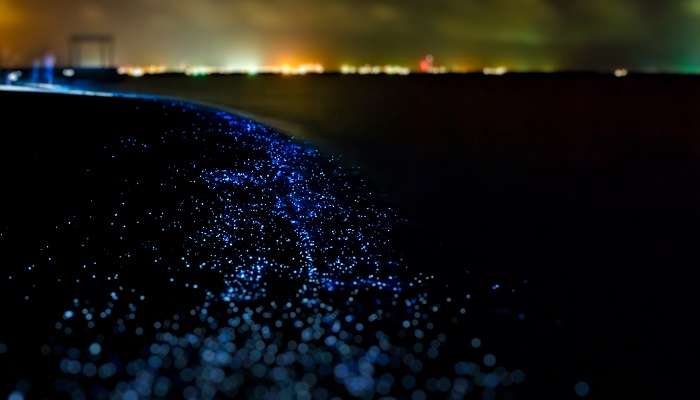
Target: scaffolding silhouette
104,44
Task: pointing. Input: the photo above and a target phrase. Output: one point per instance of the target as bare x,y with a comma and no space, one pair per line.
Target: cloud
591,32
10,14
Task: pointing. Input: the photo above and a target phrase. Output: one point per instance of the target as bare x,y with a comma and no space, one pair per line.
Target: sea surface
571,201
583,185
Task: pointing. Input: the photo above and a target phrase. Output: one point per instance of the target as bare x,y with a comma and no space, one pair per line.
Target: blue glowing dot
489,360
15,396
518,376
95,349
130,395
252,205
582,389
418,395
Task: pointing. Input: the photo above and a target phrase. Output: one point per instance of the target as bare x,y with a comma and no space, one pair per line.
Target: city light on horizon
427,65
344,69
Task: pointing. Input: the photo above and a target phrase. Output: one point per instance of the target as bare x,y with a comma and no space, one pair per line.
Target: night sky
536,34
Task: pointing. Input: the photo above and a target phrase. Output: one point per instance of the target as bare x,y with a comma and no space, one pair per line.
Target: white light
69,73
135,72
495,71
199,70
203,70
14,76
348,69
621,72
396,70
437,70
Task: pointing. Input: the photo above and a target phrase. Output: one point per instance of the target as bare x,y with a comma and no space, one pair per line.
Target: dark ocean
582,191
587,186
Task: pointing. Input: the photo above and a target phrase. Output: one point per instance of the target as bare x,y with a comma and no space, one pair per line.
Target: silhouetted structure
105,46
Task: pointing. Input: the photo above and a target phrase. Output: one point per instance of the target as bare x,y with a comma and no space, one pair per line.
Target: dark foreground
583,184
156,249
557,227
